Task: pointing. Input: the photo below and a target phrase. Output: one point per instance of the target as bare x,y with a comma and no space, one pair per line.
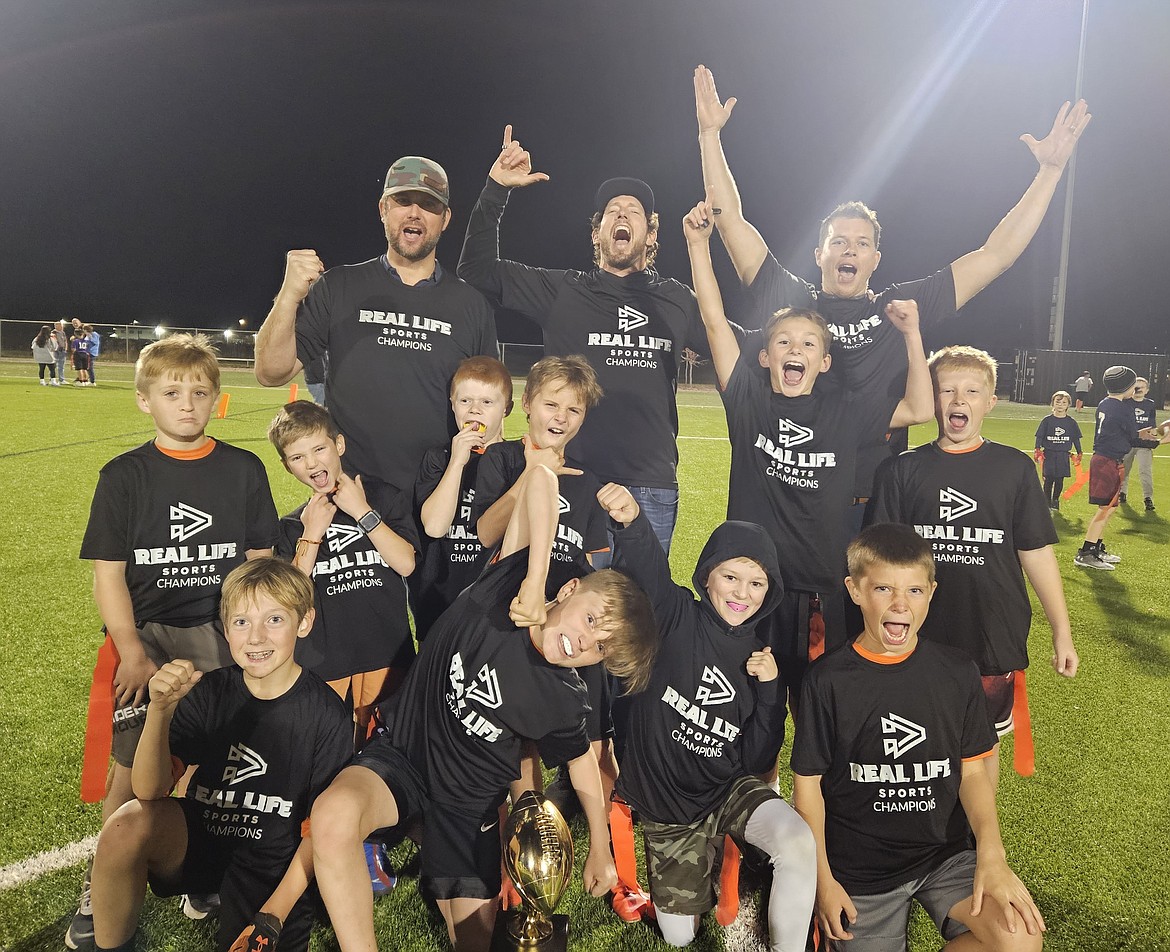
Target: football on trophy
538,854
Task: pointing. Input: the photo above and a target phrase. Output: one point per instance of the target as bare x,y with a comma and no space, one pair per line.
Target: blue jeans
660,506
317,391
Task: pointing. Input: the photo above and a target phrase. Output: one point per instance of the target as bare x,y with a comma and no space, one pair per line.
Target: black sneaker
1107,556
1121,499
1149,504
79,935
1089,560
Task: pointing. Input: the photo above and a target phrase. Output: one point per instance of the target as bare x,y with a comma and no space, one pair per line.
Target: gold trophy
538,855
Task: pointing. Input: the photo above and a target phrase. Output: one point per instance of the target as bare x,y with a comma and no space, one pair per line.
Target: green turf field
1087,833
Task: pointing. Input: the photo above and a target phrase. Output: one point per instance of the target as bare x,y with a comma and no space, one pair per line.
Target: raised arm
438,510
151,776
480,264
533,524
743,242
276,341
974,271
917,404
720,337
350,498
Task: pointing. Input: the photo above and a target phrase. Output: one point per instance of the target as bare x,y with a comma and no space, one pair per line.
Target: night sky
158,158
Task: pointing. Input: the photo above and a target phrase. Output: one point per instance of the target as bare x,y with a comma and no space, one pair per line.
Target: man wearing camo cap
395,328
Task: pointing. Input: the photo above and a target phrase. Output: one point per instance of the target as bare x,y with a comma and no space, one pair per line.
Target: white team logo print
720,691
563,505
254,764
186,521
907,735
1058,431
791,434
630,319
485,688
341,536
960,505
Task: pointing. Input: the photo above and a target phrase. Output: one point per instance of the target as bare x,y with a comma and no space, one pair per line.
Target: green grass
1086,833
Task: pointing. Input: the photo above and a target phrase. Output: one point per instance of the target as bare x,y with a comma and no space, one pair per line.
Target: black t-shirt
361,622
478,687
632,330
180,525
261,763
703,721
393,349
792,462
581,521
453,562
888,741
1116,430
867,348
978,509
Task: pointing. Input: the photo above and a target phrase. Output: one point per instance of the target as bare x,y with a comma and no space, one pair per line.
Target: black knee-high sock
1057,486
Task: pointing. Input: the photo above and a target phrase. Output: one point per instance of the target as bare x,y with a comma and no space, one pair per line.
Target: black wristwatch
370,521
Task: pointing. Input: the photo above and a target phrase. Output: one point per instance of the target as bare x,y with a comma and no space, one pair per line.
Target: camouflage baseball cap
413,173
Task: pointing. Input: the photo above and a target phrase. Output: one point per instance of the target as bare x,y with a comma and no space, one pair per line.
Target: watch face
370,521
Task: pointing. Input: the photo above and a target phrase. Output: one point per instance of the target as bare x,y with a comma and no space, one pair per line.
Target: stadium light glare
227,335
159,330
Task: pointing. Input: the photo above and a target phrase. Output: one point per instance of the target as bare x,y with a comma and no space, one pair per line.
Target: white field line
26,870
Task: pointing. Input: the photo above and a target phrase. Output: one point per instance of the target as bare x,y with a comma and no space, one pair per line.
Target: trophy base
503,942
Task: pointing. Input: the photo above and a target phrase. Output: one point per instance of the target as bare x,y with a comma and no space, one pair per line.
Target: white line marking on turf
49,861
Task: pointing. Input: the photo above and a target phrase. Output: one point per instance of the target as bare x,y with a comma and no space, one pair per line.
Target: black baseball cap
612,188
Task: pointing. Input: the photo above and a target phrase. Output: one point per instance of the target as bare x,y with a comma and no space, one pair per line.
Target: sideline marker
221,411
292,393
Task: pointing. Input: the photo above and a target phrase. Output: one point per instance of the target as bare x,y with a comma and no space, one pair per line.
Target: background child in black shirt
889,761
266,737
1057,434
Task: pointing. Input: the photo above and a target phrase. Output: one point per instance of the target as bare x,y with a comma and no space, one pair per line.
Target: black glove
261,936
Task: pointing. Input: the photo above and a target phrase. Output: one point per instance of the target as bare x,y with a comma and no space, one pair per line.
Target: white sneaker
43,384
56,382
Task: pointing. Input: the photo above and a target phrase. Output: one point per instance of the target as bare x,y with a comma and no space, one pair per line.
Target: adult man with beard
395,328
628,322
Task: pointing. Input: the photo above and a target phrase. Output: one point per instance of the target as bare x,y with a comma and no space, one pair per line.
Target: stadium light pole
1057,328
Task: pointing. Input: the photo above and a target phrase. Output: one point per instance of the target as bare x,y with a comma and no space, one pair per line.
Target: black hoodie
704,721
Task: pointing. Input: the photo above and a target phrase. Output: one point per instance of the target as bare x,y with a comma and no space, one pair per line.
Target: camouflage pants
680,857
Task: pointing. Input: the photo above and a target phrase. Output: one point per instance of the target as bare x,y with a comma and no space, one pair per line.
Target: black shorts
80,361
460,848
215,865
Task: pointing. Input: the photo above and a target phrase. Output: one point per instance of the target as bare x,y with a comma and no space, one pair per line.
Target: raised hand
317,516
545,456
697,223
466,440
173,682
513,166
527,609
350,496
616,500
903,315
301,269
711,113
762,666
1056,147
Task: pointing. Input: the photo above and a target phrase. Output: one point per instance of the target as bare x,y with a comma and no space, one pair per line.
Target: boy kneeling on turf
889,761
265,737
712,717
451,744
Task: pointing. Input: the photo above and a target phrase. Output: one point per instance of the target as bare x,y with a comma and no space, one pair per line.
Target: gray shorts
680,857
204,646
882,918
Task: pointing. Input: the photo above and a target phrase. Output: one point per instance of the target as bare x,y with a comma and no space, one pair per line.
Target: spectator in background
43,350
1083,385
61,336
95,348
